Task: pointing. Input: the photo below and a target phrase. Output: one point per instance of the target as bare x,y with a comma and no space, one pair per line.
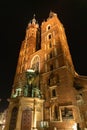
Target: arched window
53,93
35,63
56,113
51,67
48,27
49,36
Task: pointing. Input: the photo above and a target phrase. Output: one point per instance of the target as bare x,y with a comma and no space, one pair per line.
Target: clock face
35,63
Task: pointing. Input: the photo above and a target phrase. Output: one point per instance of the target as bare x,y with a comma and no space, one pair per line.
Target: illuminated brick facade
47,93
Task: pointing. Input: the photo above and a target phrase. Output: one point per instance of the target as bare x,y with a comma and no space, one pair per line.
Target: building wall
45,65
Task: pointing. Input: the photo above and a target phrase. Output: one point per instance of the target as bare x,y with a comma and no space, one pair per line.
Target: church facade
47,93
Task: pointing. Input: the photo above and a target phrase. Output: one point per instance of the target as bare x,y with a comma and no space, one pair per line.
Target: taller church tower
43,96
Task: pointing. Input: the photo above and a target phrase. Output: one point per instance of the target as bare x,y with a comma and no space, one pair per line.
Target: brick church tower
46,87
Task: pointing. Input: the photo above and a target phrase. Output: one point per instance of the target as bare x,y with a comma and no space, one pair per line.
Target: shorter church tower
44,93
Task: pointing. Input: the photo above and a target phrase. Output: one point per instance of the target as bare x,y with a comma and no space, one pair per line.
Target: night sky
14,18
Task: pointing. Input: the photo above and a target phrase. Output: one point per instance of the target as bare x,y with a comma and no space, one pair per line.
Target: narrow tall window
50,54
50,44
35,63
53,93
49,36
48,81
48,27
51,67
56,112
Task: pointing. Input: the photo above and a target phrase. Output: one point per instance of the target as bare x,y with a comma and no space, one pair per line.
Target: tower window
50,44
49,36
56,113
50,54
51,67
48,81
53,93
48,27
35,63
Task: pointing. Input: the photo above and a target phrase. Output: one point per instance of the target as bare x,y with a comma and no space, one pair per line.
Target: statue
17,92
32,87
25,91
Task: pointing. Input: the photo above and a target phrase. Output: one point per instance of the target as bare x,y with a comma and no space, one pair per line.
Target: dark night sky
14,18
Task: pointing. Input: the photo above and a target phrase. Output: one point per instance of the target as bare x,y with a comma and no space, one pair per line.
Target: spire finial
34,16
34,20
